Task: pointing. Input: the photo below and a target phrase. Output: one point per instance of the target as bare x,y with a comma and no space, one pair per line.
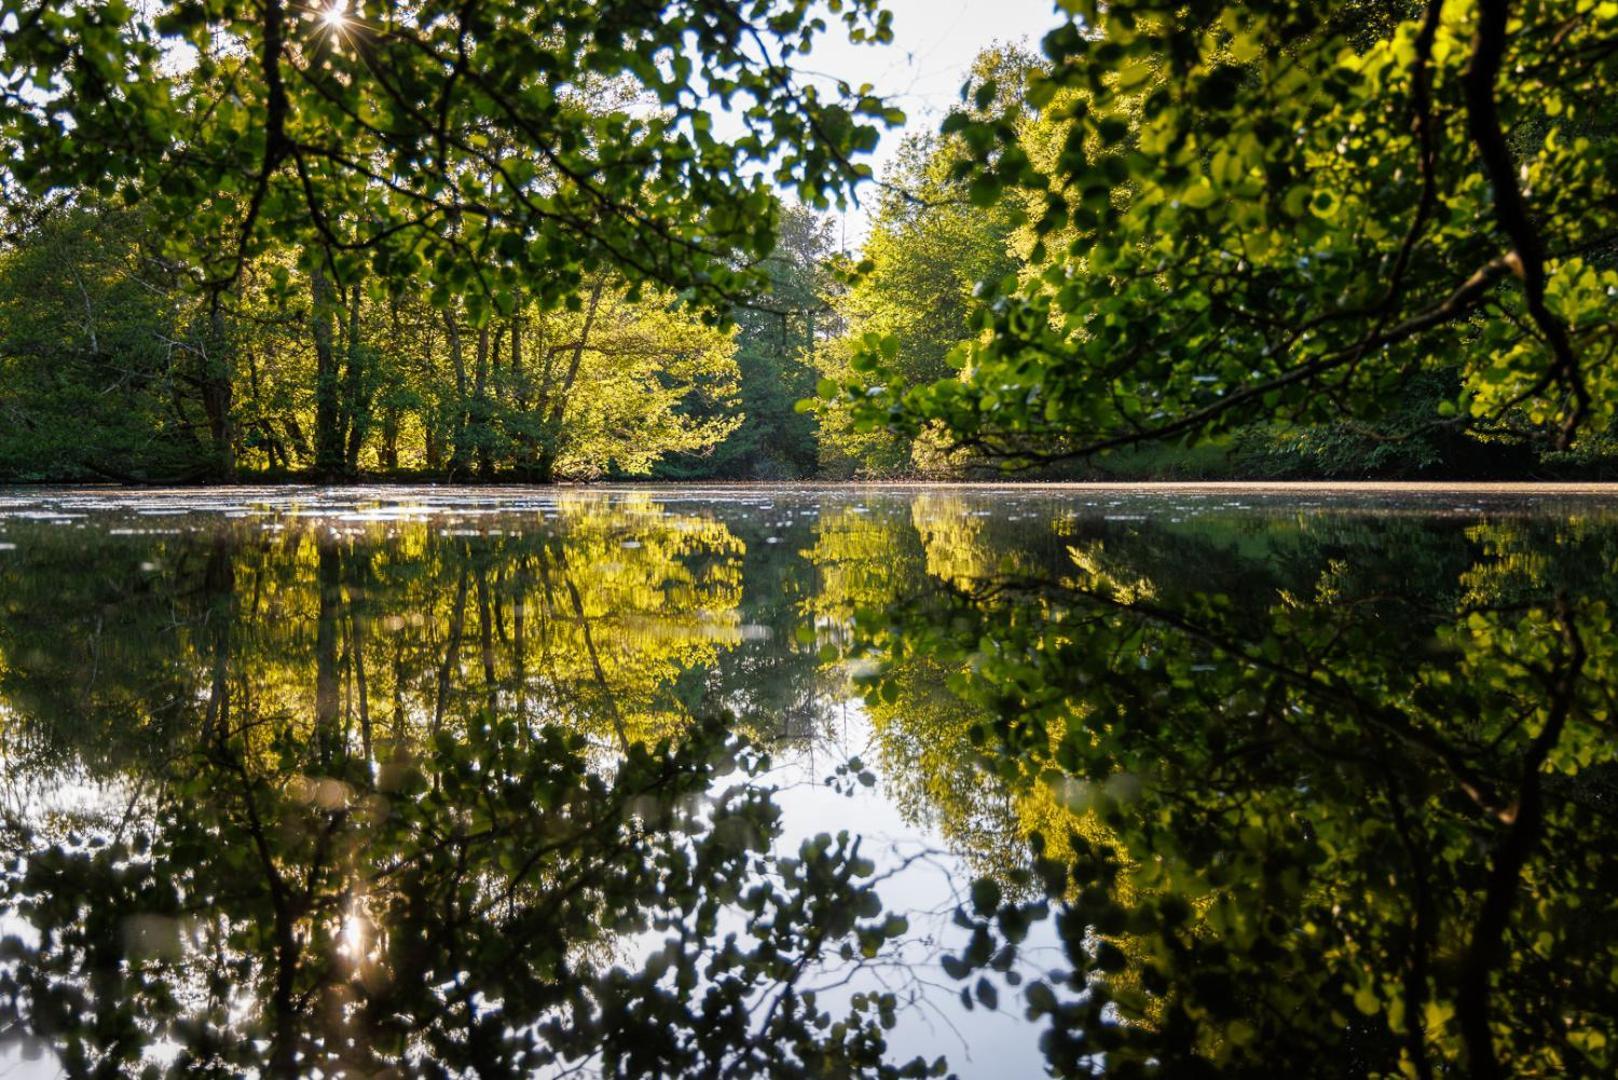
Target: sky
934,43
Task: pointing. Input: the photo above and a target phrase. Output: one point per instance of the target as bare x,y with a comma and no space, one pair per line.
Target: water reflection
413,783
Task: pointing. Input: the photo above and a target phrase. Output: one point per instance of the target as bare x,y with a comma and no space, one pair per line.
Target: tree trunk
480,406
460,449
330,583
551,434
274,449
390,438
519,383
431,418
357,393
390,409
295,435
216,392
328,409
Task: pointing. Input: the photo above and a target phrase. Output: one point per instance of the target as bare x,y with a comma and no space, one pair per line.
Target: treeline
1266,242
112,367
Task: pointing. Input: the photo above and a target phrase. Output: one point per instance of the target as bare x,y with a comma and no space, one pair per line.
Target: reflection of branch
811,952
1419,966
1312,683
595,657
1511,855
283,1051
451,652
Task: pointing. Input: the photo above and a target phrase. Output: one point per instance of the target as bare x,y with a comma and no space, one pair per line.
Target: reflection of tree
772,679
1330,799
405,628
928,737
1297,788
455,912
400,805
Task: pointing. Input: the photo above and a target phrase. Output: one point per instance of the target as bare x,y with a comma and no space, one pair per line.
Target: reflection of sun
357,934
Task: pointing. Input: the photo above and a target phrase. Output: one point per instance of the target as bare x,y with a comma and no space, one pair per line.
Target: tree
623,385
116,370
778,335
516,153
1269,212
104,368
929,251
497,130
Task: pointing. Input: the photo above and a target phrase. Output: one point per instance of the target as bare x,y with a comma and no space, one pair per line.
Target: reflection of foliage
928,736
593,618
442,915
1280,797
452,852
1324,816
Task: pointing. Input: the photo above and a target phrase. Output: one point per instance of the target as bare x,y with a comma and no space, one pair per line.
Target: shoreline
1279,487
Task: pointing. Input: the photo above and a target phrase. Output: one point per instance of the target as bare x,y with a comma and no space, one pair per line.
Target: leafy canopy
477,143
1283,210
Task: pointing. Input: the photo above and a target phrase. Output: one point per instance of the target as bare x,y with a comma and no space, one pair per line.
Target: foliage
300,173
121,372
1315,819
777,337
1278,212
487,140
929,250
1403,444
91,355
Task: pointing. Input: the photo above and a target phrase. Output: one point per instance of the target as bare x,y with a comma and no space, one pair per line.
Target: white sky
934,43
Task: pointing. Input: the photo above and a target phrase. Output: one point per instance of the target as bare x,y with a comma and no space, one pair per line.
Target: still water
807,782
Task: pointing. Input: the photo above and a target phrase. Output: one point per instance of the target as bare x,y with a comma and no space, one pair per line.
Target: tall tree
930,249
778,335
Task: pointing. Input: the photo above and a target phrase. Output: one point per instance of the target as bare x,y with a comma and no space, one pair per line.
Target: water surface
747,781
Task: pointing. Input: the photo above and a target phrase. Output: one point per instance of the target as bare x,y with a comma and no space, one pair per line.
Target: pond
808,782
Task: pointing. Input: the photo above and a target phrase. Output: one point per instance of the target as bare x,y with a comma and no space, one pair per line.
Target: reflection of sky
66,800
15,1065
977,1043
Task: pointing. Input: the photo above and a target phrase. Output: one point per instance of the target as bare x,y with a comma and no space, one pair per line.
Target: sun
334,16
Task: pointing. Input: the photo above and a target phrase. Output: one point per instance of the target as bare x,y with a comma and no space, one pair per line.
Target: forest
837,779
513,240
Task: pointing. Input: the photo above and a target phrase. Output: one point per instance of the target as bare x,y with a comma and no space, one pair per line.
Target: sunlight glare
334,16
355,937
